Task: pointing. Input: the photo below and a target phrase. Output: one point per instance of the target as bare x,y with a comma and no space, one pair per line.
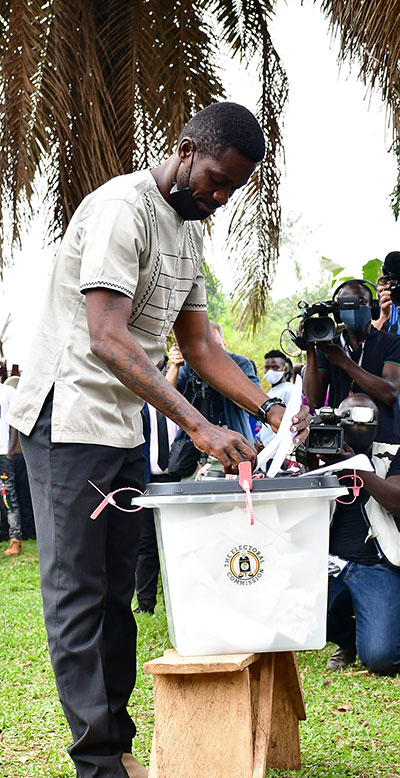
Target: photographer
365,540
388,285
360,359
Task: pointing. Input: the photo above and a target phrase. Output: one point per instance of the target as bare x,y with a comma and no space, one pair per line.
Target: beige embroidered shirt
124,236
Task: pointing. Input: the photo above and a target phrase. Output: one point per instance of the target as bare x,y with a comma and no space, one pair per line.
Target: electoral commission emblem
244,565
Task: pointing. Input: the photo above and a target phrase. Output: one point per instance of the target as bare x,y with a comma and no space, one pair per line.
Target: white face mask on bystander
274,376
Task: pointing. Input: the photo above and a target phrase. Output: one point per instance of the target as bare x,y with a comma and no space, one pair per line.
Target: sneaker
341,658
133,767
144,609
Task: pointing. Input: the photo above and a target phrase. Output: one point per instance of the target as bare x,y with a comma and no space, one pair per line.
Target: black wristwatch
265,407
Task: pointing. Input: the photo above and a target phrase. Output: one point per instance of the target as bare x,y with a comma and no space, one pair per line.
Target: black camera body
318,324
395,292
326,433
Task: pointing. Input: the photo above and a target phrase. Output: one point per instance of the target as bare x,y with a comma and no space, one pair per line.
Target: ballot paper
282,443
358,462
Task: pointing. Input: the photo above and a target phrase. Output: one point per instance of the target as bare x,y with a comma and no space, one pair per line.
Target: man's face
276,363
356,290
357,320
213,181
359,435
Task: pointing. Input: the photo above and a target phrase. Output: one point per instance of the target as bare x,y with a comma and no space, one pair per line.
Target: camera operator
360,359
365,539
388,284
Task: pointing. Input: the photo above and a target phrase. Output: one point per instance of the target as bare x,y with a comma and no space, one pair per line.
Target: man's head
221,126
218,151
359,435
357,320
218,333
277,368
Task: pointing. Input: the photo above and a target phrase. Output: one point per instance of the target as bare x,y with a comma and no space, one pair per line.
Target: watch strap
266,407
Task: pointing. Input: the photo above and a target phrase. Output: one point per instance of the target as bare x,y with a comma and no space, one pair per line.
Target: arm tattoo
115,302
138,380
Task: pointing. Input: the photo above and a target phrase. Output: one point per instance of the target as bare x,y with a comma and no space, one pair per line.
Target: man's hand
228,446
175,356
12,442
331,459
386,304
336,355
386,301
300,421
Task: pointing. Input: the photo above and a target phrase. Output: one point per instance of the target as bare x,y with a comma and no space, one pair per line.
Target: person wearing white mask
277,373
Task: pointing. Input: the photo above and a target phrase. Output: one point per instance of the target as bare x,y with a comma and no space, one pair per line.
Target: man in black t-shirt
364,597
360,359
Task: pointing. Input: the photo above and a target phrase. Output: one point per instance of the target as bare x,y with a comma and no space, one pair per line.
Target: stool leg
203,726
153,757
263,715
287,707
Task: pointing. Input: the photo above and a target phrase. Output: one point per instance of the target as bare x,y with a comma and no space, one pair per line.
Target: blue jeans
364,614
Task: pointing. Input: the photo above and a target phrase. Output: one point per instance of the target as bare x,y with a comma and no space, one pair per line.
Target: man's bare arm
214,365
315,380
108,313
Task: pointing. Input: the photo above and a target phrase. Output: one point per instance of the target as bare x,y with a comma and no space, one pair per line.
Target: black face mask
183,202
360,437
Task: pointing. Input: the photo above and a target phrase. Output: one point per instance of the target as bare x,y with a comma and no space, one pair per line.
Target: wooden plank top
174,664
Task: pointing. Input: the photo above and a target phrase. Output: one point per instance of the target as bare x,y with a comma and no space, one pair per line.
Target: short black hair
221,125
276,353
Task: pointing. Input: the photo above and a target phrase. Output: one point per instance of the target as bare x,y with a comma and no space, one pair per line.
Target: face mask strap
191,162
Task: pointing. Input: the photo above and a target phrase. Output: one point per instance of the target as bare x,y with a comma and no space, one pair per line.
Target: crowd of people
128,272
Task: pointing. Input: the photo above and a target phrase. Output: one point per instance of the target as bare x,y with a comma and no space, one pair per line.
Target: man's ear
186,148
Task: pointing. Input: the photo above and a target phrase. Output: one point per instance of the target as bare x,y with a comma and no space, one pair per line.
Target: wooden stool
228,716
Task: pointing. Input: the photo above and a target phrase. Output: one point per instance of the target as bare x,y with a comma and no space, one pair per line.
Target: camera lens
319,328
325,440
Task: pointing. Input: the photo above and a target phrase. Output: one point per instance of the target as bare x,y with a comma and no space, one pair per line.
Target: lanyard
349,351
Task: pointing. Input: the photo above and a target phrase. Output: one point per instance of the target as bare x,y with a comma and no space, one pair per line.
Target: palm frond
369,32
21,143
255,225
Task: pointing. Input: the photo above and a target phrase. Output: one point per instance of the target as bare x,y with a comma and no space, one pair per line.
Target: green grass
353,717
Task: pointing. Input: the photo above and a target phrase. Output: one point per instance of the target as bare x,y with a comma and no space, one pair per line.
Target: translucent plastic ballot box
233,587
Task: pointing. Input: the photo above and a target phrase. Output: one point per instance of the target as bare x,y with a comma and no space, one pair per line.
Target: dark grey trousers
87,579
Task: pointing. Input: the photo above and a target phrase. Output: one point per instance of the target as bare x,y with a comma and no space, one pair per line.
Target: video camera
326,432
318,325
391,273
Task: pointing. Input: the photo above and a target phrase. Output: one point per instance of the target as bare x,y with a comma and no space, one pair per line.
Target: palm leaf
255,225
369,34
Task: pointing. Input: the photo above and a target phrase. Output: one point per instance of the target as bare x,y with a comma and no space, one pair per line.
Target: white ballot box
232,587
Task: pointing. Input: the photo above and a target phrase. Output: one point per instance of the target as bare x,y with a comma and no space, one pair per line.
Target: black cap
391,265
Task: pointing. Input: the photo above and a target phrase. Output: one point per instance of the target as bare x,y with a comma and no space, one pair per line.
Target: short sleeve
197,297
392,349
112,237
